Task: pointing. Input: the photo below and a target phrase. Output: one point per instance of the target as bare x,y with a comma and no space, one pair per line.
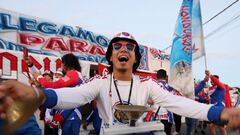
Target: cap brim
122,38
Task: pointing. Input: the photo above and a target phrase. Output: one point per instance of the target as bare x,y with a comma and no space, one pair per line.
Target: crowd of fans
68,121
69,75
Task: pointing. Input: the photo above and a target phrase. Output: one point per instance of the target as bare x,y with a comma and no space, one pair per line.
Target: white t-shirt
99,88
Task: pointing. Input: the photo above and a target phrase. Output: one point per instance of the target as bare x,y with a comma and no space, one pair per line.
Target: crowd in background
69,121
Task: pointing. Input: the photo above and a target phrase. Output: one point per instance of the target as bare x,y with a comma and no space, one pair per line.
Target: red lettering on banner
186,38
184,11
24,66
102,69
187,33
11,58
13,65
36,63
57,44
1,62
78,46
186,49
97,50
58,63
186,25
28,39
46,63
185,14
61,45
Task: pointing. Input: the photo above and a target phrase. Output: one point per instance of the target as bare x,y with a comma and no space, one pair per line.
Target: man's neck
161,79
126,76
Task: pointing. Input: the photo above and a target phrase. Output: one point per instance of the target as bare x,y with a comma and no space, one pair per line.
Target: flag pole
205,59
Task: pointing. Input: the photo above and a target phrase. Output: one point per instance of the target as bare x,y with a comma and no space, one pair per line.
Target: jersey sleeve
68,98
199,87
183,106
71,78
217,82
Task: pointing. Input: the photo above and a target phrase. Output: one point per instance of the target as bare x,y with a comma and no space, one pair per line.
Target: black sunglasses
129,46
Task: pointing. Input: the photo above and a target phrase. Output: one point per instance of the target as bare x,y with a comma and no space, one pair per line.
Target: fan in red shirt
68,120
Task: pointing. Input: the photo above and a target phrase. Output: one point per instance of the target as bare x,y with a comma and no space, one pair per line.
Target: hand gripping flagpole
25,54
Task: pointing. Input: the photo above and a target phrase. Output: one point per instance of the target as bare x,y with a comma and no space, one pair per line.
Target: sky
152,23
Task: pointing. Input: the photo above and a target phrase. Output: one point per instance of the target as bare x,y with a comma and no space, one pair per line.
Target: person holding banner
69,121
119,87
191,122
202,97
62,119
44,114
49,113
30,126
217,92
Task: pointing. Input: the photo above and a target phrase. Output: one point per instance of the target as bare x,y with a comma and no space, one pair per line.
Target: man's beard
122,70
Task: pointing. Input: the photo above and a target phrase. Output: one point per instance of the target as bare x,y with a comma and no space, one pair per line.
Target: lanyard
130,92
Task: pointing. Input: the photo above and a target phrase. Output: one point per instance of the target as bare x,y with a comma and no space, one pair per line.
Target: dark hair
71,62
216,76
137,53
161,73
49,72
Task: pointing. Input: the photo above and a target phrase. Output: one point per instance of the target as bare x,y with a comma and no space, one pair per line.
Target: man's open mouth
123,58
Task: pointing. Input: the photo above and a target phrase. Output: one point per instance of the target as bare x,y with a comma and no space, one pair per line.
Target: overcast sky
152,22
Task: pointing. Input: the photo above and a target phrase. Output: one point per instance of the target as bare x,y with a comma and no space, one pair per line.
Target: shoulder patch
96,77
144,79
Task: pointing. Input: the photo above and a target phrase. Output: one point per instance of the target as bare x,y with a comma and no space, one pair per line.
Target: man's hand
232,115
12,92
34,82
207,72
35,75
28,60
18,102
31,81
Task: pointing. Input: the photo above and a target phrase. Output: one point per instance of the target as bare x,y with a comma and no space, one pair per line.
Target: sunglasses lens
117,46
130,47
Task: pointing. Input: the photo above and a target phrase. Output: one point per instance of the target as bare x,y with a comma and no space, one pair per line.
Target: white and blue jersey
103,90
